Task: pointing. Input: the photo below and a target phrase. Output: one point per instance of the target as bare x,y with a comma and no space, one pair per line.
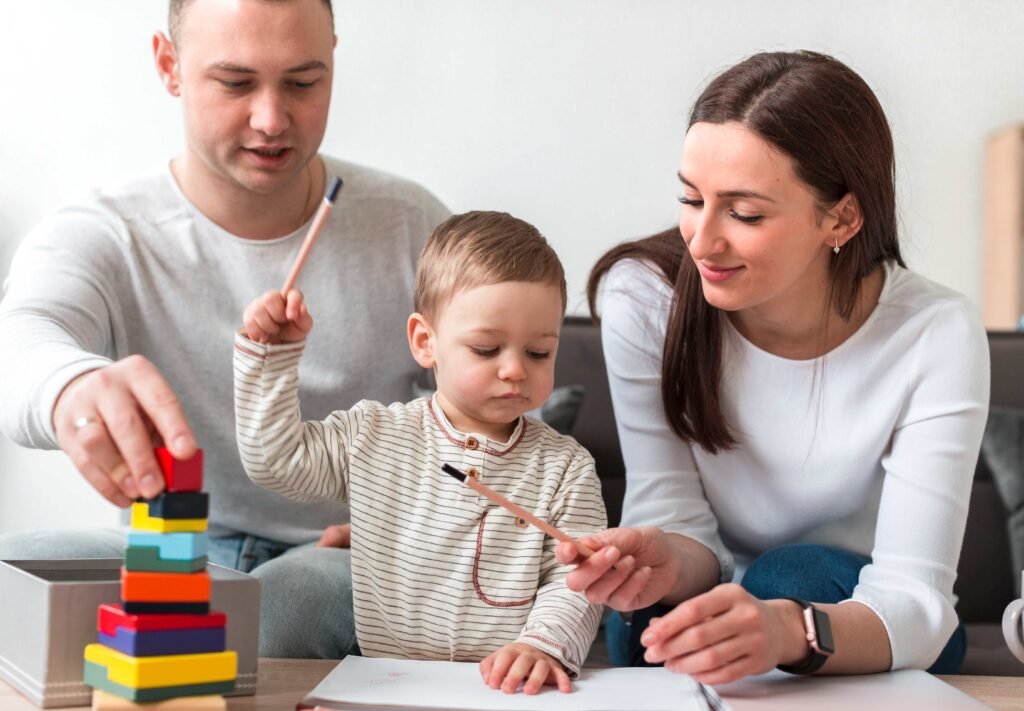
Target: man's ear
421,340
847,219
166,58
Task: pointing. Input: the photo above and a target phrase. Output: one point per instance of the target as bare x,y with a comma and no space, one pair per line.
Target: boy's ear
166,58
421,340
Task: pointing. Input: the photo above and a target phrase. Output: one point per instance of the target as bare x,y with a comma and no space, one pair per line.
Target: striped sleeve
300,460
563,623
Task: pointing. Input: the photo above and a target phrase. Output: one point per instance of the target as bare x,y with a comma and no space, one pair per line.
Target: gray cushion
1002,447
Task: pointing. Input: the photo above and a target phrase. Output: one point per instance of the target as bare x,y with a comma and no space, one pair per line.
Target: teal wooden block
147,559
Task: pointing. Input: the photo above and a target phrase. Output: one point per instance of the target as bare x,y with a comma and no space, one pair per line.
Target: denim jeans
305,591
811,572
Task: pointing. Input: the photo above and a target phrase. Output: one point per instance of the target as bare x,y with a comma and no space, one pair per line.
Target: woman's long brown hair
821,114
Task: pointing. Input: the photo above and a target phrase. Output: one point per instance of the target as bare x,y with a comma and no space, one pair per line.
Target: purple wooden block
155,643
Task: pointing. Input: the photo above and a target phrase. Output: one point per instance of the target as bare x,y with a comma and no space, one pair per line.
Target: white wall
568,113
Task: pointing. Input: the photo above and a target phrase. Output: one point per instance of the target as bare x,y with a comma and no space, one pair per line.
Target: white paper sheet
392,684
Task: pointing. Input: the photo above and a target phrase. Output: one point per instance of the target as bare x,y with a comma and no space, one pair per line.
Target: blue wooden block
173,546
155,643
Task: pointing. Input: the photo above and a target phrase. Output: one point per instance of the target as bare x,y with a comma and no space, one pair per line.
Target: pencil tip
449,469
332,192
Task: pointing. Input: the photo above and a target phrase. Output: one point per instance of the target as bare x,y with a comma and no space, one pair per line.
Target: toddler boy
438,571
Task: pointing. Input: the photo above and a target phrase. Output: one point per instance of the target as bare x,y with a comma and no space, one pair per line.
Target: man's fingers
131,439
159,403
104,485
95,456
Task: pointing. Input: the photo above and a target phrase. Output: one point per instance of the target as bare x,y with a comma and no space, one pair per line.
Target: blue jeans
810,572
305,591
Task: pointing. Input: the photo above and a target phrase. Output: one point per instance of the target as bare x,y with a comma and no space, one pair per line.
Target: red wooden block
181,474
110,617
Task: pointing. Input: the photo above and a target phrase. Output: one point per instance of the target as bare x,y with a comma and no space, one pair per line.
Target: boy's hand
278,318
517,663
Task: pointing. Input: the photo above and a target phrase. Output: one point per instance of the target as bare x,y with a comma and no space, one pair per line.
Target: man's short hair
478,249
176,15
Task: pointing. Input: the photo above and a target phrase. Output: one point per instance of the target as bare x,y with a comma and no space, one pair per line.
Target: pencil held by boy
439,571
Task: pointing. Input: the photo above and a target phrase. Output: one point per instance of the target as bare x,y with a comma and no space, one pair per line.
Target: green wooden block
148,559
96,677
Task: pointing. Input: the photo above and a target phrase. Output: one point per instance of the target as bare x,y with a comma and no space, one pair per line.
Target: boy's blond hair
481,248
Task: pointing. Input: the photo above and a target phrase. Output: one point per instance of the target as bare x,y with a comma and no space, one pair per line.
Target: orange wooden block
138,586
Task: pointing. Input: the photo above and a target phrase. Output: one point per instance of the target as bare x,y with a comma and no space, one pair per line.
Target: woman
797,410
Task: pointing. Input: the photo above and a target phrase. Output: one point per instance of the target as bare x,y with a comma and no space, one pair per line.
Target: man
119,313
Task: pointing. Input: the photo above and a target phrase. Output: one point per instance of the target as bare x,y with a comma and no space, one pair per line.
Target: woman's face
753,228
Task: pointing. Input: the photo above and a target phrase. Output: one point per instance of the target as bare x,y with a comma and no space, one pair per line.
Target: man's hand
339,536
520,663
107,421
277,318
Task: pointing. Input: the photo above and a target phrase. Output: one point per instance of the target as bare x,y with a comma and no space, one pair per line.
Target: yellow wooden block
142,521
102,701
176,670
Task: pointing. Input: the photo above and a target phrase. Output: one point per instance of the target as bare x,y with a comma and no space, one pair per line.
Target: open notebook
359,683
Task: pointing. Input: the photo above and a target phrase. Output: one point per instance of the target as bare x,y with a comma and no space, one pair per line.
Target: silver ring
84,421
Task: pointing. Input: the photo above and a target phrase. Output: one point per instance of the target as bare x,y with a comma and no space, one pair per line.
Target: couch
986,580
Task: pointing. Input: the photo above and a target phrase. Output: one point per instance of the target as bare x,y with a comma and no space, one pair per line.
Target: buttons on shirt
472,443
473,473
521,522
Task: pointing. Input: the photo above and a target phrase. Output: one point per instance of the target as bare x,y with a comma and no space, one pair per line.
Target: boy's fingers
265,323
502,662
485,667
563,680
293,304
520,670
538,676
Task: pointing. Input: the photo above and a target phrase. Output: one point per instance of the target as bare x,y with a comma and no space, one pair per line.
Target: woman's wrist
793,638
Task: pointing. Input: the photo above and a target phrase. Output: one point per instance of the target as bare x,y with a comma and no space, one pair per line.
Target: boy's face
255,82
493,352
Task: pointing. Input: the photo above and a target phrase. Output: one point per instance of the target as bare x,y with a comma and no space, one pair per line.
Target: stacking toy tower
162,641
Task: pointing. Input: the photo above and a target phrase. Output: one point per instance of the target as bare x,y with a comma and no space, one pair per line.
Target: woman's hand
646,567
518,664
277,318
726,634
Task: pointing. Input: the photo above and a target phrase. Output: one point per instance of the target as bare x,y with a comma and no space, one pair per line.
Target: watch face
824,631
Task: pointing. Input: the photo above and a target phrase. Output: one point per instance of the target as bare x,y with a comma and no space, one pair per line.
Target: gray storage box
48,615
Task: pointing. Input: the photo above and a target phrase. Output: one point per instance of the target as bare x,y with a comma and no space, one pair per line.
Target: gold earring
835,250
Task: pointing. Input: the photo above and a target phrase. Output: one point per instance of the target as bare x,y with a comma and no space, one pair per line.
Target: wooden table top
283,683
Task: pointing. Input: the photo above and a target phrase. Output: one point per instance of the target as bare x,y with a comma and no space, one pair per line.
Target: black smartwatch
819,639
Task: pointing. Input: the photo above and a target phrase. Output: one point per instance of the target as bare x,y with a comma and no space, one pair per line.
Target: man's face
255,82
